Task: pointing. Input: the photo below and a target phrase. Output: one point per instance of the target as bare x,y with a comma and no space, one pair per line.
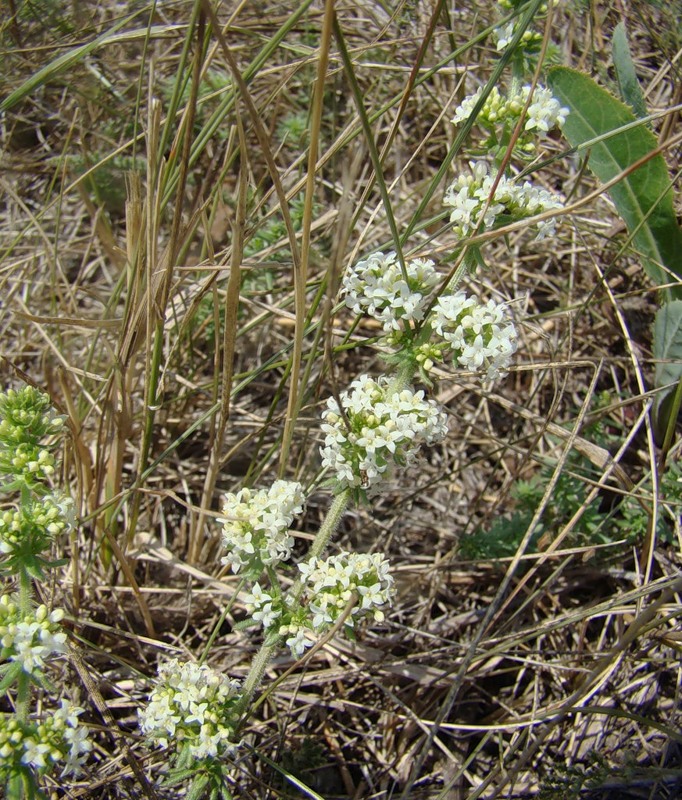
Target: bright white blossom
57,739
256,524
260,606
192,706
332,583
504,34
30,638
377,286
379,427
503,111
297,640
481,336
544,112
468,196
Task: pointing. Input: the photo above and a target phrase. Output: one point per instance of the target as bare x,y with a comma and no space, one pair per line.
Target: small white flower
297,641
480,335
504,34
256,524
381,427
35,753
377,286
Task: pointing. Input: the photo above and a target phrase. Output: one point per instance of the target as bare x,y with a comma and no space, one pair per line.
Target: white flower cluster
192,706
469,195
329,586
256,524
480,335
377,286
58,739
29,639
35,524
530,40
378,427
30,462
544,112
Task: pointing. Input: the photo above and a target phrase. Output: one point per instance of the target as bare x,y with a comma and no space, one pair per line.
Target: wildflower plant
32,744
369,432
281,143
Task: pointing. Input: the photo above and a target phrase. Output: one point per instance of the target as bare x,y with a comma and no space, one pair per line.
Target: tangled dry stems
577,654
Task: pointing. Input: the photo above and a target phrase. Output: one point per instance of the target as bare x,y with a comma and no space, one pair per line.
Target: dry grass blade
183,186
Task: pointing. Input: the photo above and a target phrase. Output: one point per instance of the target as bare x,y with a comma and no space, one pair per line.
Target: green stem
330,524
403,377
256,672
268,648
24,679
25,585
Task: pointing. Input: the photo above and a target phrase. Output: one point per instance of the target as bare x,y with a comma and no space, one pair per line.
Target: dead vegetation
154,284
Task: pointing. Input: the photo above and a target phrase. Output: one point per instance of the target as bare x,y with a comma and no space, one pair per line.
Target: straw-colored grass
179,203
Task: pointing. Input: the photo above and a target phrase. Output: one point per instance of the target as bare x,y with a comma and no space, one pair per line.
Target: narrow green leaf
668,356
67,60
198,788
12,672
630,90
644,197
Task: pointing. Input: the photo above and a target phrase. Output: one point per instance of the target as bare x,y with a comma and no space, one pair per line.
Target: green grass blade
668,356
71,57
630,90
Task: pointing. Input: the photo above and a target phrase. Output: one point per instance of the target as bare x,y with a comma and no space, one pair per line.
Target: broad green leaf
630,90
644,197
668,356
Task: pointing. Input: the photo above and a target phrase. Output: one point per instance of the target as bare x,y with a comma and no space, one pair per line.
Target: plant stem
24,679
268,648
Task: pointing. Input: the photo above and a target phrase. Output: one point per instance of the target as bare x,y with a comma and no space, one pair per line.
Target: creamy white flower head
331,584
32,638
544,112
192,704
57,739
377,286
499,112
256,524
380,427
481,336
472,200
